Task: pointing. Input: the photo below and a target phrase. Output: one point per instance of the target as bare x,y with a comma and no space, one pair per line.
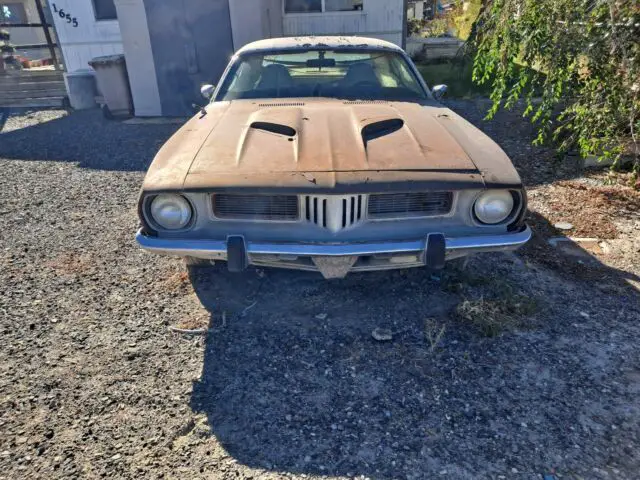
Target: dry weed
492,317
433,332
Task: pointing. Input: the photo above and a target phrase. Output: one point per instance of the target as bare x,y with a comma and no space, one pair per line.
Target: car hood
254,143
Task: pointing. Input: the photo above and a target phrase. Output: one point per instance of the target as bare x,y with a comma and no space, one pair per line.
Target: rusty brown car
329,154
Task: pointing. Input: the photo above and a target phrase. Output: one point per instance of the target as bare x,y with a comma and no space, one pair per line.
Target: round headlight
494,206
171,212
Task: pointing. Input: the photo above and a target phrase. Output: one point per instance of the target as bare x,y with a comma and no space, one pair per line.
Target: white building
171,51
85,29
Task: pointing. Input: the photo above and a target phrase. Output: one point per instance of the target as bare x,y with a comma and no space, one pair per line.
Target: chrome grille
407,205
334,212
256,207
315,209
352,210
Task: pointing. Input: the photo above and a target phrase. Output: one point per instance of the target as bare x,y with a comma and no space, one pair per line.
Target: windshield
369,75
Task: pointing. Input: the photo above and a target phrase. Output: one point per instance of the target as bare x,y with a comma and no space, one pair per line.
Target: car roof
309,42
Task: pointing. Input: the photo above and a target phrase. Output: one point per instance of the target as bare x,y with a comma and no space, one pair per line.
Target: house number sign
62,14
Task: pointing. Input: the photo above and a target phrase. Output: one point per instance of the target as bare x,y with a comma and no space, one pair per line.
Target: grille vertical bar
335,212
320,216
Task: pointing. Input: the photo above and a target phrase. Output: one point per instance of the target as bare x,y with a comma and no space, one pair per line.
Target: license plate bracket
334,267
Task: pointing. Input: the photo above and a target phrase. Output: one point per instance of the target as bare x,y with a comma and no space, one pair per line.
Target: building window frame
100,19
20,12
324,10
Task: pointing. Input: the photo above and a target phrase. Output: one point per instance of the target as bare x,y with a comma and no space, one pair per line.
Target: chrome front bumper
379,255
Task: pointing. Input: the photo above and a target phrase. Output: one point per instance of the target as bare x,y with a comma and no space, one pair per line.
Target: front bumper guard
433,249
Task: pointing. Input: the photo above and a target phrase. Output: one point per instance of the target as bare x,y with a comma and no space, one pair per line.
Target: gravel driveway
502,369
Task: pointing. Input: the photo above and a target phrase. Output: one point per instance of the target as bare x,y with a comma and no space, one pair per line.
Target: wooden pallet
33,89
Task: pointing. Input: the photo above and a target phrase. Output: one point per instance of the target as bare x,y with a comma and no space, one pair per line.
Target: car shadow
553,249
293,380
88,139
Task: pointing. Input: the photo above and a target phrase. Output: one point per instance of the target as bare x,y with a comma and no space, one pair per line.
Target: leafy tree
587,53
414,26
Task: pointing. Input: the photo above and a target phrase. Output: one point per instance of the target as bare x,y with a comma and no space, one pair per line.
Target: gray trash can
81,88
113,83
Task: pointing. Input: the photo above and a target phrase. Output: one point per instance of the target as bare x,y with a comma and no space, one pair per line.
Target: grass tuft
491,317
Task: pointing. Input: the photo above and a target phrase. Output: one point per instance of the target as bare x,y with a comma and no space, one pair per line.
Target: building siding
191,46
383,19
255,20
90,39
142,71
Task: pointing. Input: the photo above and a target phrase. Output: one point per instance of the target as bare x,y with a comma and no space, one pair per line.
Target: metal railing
51,45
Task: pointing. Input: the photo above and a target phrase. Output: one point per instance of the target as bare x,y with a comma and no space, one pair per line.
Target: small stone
585,315
605,247
322,316
382,335
590,244
563,226
288,418
514,470
117,456
307,459
6,453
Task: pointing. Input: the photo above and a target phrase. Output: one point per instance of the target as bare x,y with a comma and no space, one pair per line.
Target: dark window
302,6
105,10
318,6
342,5
12,13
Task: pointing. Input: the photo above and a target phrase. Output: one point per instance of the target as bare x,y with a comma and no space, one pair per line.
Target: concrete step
46,102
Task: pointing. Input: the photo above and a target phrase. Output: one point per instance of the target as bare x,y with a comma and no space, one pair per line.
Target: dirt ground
510,367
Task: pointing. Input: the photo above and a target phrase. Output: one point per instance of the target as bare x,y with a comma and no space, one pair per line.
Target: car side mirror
439,91
207,91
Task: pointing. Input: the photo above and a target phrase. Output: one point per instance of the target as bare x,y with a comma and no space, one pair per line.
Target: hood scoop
276,128
380,129
249,141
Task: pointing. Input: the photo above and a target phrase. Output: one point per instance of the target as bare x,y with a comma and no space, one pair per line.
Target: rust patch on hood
255,142
328,138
